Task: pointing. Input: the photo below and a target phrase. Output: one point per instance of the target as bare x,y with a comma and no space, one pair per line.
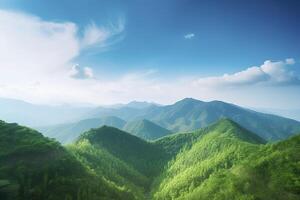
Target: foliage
34,167
223,161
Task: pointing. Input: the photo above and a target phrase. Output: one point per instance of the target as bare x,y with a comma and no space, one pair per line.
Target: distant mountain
140,104
28,114
35,167
224,162
146,129
289,113
191,114
67,133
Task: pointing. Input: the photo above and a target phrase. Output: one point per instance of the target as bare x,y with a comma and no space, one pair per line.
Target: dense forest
221,161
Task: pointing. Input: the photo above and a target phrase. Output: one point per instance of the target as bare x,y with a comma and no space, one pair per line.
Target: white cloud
33,50
189,36
270,73
290,61
81,73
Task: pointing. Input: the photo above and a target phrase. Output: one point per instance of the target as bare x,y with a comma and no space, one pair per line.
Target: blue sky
165,44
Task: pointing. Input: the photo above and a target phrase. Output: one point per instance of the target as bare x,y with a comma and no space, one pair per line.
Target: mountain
225,161
67,133
222,161
145,157
140,104
123,112
191,114
146,129
28,114
35,167
289,113
185,115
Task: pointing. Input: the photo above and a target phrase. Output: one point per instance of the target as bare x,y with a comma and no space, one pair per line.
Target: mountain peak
188,101
228,126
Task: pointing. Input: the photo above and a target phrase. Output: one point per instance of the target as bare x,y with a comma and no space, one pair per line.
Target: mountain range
187,115
221,161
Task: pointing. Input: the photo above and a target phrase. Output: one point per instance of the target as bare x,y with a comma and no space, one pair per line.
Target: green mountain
222,161
67,133
146,129
191,114
225,161
35,167
145,157
128,161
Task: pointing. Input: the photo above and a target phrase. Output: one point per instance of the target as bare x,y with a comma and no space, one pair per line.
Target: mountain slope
271,173
35,167
143,156
146,129
67,133
222,161
191,114
203,169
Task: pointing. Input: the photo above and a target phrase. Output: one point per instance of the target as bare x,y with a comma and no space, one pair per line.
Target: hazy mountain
146,129
24,113
140,104
289,113
126,113
67,133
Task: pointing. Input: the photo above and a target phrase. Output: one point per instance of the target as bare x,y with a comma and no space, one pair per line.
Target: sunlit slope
225,161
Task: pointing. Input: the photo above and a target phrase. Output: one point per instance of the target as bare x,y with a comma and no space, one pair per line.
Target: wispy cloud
98,36
189,36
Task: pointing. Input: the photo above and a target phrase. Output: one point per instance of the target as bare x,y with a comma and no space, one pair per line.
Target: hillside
271,173
212,166
145,157
146,129
67,133
222,161
35,167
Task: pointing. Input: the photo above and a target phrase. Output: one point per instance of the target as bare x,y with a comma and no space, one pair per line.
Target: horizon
113,52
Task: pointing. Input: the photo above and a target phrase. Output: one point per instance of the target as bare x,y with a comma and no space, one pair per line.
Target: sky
107,52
